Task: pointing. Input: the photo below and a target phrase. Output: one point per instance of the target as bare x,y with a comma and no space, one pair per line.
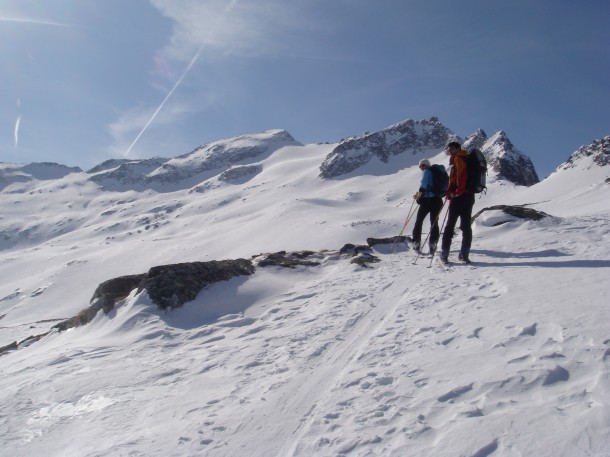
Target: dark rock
240,174
170,286
353,249
363,259
104,298
394,239
283,259
516,211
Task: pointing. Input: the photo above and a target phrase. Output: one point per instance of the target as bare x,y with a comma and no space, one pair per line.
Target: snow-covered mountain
409,140
405,143
194,167
14,173
507,162
590,156
320,356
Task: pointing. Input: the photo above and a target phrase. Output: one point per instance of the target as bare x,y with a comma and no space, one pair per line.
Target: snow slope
509,358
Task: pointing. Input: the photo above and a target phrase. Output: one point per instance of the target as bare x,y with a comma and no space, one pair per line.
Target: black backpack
440,180
476,165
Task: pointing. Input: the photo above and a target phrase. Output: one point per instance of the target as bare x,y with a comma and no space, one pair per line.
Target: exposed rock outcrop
288,260
522,212
104,298
170,286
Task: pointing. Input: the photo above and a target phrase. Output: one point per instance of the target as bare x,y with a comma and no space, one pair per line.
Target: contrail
169,94
16,132
33,21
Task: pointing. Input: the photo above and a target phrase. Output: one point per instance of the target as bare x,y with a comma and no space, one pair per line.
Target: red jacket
458,174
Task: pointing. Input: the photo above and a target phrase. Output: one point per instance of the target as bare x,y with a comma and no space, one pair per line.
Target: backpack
440,180
476,166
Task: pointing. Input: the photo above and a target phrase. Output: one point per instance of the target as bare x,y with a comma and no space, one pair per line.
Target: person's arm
461,175
426,181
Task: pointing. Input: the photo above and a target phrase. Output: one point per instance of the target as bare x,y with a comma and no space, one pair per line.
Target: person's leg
435,211
422,211
449,228
465,224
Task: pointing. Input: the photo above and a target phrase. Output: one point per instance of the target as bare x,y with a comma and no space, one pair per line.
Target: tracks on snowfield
315,340
334,368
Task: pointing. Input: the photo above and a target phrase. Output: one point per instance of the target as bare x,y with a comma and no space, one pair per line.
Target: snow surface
509,358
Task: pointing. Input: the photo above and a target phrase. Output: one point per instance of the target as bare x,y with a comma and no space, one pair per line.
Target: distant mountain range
232,159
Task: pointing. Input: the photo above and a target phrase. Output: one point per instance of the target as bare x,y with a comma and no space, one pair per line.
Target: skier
430,201
461,202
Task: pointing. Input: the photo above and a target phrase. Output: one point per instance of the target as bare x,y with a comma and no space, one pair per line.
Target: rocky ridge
598,152
415,138
506,161
423,139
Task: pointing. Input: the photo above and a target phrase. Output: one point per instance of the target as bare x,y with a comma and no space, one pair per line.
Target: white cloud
233,27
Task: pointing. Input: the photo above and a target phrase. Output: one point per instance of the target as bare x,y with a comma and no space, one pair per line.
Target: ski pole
429,232
409,216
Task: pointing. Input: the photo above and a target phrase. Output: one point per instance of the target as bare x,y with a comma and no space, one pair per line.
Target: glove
417,195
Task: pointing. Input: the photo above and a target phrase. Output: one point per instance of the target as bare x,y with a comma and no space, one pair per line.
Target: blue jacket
426,183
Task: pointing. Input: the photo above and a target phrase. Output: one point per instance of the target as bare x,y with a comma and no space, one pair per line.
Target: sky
84,81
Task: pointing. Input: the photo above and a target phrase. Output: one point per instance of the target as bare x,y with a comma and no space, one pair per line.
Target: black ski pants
432,206
459,207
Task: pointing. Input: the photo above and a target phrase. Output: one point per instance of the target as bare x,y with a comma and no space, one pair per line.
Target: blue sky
88,80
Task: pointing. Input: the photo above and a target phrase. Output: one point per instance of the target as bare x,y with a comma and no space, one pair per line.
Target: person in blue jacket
429,203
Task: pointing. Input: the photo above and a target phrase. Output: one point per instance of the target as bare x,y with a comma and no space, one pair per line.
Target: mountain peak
201,163
476,140
507,161
595,154
407,138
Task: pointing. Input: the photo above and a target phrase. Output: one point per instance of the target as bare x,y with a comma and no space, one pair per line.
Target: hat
425,162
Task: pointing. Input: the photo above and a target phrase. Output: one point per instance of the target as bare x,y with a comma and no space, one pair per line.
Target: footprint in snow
529,331
487,450
557,374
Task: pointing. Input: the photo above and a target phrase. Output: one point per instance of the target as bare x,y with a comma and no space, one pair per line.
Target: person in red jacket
461,202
